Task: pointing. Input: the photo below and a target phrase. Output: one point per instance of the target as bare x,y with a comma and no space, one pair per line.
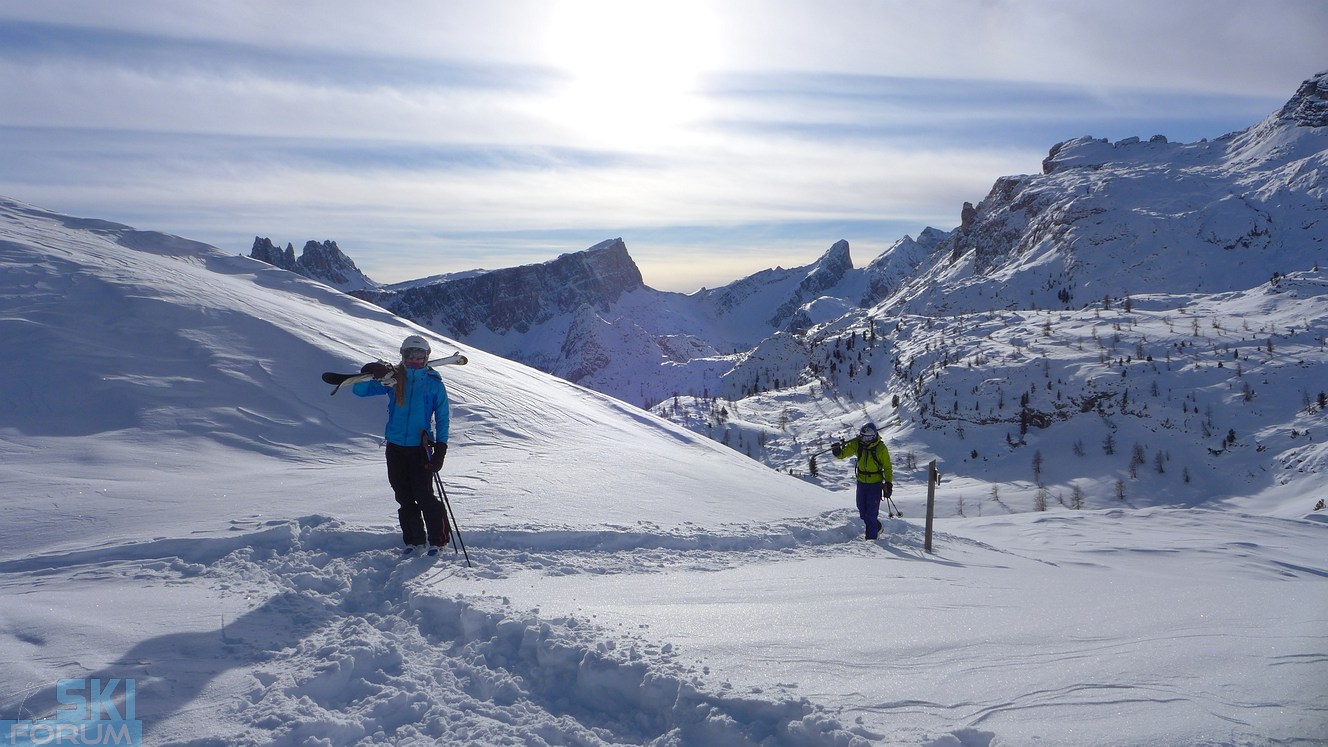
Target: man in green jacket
875,475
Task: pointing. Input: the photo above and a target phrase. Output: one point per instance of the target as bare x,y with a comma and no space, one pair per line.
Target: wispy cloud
448,136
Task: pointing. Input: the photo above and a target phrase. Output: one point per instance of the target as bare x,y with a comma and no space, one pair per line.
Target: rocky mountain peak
324,262
607,264
828,270
1309,107
265,251
836,259
517,298
824,274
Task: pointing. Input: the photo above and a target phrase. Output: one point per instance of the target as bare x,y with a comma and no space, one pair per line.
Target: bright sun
633,67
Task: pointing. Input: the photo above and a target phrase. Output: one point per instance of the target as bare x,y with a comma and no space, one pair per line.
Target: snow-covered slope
164,350
183,505
1163,400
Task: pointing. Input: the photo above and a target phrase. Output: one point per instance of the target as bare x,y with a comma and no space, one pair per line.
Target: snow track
652,548
312,632
351,644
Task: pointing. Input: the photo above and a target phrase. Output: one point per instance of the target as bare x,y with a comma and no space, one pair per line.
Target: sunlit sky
716,138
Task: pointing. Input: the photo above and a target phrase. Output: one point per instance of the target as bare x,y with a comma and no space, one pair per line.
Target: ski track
342,642
353,645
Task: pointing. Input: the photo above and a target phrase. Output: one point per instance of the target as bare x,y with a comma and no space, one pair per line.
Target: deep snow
182,503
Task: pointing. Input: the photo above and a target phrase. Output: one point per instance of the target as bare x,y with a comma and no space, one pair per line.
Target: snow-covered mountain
146,336
1109,220
183,507
1103,221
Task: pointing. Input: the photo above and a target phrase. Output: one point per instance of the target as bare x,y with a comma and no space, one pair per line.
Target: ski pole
452,530
893,509
452,527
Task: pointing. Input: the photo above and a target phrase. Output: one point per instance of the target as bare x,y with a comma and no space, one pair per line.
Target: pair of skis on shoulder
338,380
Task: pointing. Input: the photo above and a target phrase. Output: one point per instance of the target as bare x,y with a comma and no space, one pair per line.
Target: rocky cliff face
265,251
896,265
1309,107
519,298
828,272
324,262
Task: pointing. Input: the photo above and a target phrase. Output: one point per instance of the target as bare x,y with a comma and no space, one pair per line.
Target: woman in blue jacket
418,408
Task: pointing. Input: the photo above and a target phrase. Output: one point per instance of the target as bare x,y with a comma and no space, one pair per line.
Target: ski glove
889,488
439,452
837,448
382,373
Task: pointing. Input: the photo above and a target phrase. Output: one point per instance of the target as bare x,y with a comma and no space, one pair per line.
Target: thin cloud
1212,46
448,136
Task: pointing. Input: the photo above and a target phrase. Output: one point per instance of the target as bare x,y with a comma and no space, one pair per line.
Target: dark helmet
868,433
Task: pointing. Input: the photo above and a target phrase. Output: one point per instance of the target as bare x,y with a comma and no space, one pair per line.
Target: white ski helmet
415,342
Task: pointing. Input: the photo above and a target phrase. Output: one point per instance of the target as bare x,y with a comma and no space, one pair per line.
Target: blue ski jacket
425,406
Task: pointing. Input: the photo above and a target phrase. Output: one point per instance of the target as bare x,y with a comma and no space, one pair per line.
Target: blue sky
716,138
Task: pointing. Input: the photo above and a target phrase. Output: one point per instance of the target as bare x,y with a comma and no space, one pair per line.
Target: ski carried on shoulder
338,380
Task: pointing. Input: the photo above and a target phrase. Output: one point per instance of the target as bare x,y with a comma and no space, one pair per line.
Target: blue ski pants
869,507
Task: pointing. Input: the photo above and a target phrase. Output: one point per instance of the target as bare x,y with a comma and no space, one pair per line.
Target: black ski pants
418,509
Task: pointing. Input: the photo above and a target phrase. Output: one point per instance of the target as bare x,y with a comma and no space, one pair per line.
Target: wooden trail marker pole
933,477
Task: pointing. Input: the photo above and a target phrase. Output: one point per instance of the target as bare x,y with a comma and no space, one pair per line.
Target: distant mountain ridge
1103,220
589,317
